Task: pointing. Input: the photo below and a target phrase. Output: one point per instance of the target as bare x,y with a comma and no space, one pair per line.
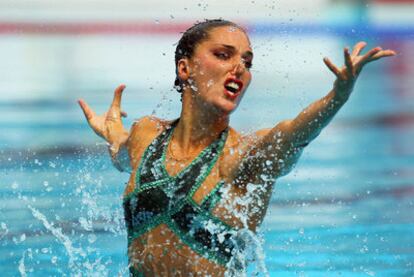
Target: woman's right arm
109,127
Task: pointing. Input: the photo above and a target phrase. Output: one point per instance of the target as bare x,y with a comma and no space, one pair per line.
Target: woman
195,182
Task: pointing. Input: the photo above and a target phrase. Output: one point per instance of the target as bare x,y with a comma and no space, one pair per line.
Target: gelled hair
192,37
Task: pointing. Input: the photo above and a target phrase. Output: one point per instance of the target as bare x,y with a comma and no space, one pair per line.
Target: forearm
284,142
310,122
119,153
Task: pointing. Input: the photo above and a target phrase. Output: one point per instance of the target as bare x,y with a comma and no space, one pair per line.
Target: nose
239,67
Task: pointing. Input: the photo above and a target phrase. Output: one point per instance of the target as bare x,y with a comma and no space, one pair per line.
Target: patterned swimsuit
163,199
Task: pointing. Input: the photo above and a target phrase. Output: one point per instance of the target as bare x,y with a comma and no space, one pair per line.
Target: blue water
346,209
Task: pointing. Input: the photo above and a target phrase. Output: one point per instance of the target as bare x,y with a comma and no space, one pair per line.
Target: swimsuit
163,199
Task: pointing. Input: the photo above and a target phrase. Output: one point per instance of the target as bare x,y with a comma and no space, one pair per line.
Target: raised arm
277,150
109,127
273,152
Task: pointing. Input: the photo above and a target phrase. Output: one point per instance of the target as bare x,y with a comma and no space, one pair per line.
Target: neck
197,128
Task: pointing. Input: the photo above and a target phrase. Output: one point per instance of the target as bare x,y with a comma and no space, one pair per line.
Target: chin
227,107
221,106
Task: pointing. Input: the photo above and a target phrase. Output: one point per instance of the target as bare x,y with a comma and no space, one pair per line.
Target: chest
204,170
168,182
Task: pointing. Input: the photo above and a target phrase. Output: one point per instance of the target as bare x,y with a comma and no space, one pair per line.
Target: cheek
210,74
211,67
247,79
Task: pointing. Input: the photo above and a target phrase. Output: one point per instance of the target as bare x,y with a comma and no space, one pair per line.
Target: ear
183,69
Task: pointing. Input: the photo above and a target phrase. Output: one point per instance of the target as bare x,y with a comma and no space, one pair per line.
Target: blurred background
346,209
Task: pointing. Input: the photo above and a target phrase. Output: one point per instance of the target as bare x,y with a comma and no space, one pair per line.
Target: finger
124,114
332,67
89,113
358,48
368,55
116,103
348,62
382,54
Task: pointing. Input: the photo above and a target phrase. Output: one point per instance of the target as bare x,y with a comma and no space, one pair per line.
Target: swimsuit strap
151,167
194,175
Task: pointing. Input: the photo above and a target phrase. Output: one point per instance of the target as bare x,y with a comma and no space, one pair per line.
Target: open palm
354,63
109,125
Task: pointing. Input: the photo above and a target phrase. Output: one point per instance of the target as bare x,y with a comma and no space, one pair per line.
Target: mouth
232,87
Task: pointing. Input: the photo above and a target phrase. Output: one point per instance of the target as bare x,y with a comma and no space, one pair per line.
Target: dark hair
191,38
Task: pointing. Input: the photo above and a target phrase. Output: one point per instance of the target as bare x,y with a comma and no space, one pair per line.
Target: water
69,220
346,209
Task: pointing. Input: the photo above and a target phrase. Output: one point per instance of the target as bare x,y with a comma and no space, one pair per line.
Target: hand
109,125
354,63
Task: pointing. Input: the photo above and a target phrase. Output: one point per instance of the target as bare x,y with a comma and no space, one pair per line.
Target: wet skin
207,104
227,54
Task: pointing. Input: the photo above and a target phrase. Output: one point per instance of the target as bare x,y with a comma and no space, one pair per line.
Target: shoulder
148,123
144,130
243,141
148,126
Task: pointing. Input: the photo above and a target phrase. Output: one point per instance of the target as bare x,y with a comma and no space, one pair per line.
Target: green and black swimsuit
163,199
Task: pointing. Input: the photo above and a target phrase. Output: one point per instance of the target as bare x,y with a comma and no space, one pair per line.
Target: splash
4,230
22,269
248,256
248,250
193,85
67,243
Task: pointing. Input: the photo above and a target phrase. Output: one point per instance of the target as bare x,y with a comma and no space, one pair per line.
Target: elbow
302,144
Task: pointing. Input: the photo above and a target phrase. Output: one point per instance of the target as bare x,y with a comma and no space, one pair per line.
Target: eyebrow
248,54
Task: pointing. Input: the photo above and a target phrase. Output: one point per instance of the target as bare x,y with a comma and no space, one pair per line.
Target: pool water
346,209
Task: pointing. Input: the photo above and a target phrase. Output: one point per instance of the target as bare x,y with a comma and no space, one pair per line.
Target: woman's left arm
274,152
283,144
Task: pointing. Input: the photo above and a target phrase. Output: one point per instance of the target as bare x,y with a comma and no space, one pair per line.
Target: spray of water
248,253
72,251
22,269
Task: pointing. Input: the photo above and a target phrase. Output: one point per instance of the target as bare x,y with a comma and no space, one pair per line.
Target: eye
222,55
247,63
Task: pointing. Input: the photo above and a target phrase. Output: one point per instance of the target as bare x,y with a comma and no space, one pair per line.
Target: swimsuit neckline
221,137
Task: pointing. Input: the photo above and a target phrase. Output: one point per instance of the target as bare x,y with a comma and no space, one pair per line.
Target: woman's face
220,69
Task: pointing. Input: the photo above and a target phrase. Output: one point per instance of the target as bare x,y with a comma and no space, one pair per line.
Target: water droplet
15,185
91,238
53,260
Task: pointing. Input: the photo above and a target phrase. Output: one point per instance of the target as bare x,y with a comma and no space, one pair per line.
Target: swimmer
182,204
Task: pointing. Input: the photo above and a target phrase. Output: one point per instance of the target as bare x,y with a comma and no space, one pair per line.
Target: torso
160,252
